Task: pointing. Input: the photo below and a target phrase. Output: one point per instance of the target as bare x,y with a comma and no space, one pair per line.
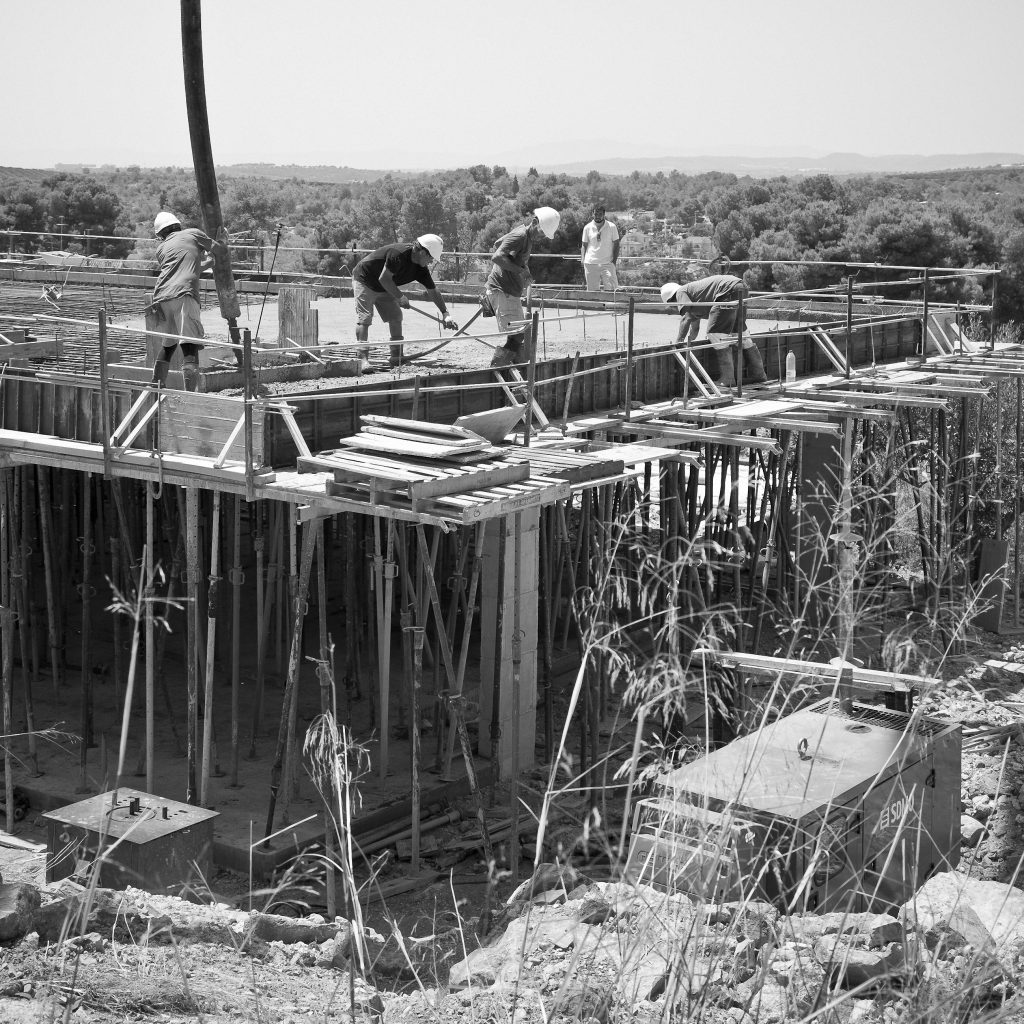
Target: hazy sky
455,82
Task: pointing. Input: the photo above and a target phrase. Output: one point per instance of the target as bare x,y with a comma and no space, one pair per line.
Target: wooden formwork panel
200,425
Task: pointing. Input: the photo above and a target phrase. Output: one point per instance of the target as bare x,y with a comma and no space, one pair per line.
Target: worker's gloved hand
449,324
403,302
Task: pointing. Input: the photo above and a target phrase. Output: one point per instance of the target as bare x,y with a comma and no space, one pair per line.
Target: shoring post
86,701
150,595
416,632
52,606
629,357
6,642
247,385
192,623
236,639
284,736
211,637
517,668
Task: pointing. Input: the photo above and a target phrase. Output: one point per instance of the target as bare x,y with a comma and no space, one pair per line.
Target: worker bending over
509,277
182,258
376,281
700,300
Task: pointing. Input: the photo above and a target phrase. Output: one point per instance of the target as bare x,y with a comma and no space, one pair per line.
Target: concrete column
529,580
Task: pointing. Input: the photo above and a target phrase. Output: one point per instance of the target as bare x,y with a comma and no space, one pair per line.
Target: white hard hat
548,220
164,220
434,244
668,291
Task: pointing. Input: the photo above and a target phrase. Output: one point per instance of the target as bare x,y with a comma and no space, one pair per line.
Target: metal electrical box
149,842
840,806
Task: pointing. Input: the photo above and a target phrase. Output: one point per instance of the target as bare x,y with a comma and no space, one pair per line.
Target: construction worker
704,300
600,252
510,276
182,258
376,281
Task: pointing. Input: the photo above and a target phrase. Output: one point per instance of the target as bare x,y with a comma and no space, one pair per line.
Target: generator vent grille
879,717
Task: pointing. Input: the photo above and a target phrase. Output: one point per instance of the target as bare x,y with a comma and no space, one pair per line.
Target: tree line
968,218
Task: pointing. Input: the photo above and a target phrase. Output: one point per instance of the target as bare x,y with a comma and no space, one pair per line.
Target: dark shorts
367,300
723,320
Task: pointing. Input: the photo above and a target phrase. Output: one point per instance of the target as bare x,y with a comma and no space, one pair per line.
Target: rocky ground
568,947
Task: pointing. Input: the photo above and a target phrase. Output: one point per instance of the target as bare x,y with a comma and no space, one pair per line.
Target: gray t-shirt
516,245
180,256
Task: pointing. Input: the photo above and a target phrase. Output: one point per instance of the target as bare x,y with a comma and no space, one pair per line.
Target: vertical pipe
531,382
104,394
250,493
849,320
739,346
629,357
924,316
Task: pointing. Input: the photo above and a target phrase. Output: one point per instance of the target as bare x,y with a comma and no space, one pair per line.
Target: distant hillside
767,167
320,172
8,174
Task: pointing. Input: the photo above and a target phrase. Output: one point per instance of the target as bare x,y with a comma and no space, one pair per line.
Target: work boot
726,367
190,373
506,356
753,368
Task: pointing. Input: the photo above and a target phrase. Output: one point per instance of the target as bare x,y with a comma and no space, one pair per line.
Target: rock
971,831
864,1011
855,965
546,877
594,910
479,969
752,919
873,929
19,904
983,806
988,915
769,1004
277,928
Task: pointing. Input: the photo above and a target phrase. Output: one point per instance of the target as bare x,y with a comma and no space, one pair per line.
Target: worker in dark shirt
716,299
377,279
182,256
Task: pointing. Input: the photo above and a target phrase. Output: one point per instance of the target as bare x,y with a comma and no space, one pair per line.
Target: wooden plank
397,446
418,426
43,348
464,444
469,479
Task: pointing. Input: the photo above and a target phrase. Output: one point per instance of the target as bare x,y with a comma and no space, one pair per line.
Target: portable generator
839,806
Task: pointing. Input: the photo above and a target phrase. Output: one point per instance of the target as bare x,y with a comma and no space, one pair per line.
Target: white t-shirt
598,241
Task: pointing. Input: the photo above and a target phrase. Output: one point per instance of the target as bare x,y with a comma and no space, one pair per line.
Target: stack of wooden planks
419,439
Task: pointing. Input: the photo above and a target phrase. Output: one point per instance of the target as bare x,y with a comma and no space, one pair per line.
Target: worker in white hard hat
717,300
510,276
376,283
599,252
182,256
